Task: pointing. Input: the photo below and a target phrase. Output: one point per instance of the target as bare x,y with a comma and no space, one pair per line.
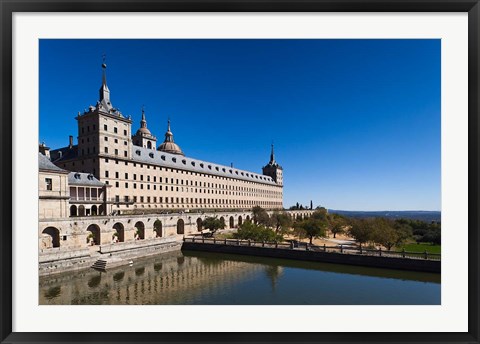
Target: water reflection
208,278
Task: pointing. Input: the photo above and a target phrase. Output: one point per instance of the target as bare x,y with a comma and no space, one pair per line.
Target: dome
170,147
143,131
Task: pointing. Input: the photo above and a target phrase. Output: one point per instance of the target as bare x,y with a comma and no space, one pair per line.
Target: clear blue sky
356,123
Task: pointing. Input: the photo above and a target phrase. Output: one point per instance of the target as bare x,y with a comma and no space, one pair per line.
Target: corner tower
103,131
273,169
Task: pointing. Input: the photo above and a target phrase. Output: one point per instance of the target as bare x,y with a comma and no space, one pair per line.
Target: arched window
180,227
94,235
51,237
157,227
139,230
199,224
119,232
73,210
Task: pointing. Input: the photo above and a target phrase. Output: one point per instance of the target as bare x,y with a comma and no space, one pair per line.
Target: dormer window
174,159
193,163
209,167
151,155
184,161
224,170
138,152
163,157
90,177
77,176
217,168
201,165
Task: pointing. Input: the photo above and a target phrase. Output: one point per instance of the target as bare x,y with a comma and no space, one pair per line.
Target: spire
272,156
104,91
168,134
143,122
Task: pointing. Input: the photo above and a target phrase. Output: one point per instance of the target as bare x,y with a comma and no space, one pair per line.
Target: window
126,185
106,174
134,177
116,140
141,199
117,184
134,185
115,130
125,154
148,199
48,181
116,151
106,161
125,133
116,174
105,128
106,149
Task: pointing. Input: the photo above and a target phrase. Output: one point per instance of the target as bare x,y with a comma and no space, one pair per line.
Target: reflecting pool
201,278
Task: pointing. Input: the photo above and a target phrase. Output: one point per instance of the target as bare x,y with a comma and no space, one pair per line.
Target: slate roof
83,179
45,164
64,153
150,156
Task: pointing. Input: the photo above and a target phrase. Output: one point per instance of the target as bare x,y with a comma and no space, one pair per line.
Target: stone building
145,179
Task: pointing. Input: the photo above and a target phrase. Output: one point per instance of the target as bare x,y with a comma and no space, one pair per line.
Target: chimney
70,139
44,150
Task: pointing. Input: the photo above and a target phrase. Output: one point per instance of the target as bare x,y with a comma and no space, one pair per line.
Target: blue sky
356,123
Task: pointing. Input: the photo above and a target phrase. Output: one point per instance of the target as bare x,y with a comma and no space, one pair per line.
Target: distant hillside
426,216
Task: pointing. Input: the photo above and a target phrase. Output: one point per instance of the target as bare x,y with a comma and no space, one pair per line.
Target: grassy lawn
422,247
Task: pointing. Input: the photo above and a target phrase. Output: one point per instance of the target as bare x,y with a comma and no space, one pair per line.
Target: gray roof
45,164
150,156
84,179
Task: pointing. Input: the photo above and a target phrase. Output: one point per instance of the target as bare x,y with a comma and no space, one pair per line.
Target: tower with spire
273,169
143,137
102,131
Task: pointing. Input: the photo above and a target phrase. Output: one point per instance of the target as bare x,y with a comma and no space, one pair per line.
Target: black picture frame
8,7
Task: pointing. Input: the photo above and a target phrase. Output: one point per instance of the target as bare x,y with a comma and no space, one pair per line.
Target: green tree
252,231
260,216
383,232
311,228
361,230
213,224
337,224
281,222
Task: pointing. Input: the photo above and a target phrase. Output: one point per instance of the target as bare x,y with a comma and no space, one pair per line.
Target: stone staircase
108,263
100,264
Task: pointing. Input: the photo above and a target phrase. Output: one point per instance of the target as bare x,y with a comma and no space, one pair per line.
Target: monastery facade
135,176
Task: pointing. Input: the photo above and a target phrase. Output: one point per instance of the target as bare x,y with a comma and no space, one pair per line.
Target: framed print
239,171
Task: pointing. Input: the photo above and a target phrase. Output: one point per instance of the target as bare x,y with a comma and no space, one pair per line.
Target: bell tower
273,169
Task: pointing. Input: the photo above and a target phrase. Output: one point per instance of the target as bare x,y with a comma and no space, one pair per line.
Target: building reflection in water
168,279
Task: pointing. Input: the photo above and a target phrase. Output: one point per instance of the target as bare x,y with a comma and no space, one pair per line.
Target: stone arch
232,222
81,210
180,226
73,210
247,218
51,237
120,230
94,210
140,230
199,224
157,228
240,220
94,235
